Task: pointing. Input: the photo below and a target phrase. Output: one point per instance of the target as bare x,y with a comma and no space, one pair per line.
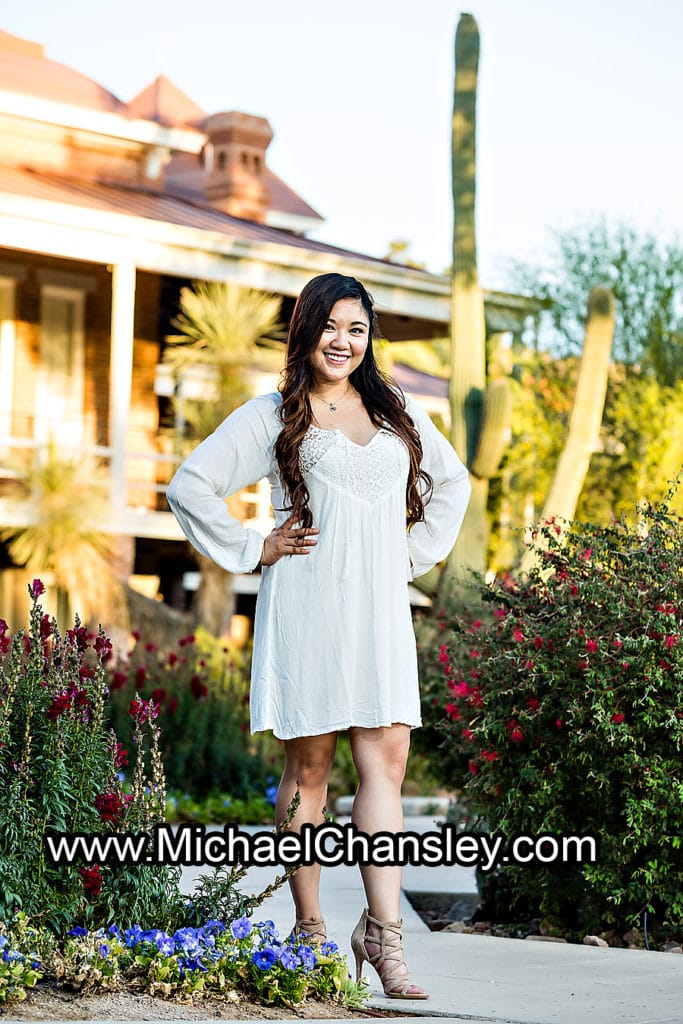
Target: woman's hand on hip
287,540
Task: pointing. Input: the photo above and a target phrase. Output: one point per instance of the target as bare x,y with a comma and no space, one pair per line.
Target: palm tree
66,499
224,329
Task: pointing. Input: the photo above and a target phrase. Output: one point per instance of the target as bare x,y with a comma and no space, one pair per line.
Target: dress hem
341,727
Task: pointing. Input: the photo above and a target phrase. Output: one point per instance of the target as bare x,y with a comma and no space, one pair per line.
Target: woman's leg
380,757
308,761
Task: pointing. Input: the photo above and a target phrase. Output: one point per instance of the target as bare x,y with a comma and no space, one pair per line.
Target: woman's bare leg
380,756
308,761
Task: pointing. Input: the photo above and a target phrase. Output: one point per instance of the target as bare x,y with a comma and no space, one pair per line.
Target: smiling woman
367,494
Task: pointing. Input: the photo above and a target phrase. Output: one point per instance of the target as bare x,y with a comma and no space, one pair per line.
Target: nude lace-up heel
310,927
390,943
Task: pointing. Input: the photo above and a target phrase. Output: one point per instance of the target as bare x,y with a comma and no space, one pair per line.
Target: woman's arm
432,540
238,453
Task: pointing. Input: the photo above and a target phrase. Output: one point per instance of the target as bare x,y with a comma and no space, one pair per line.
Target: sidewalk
482,978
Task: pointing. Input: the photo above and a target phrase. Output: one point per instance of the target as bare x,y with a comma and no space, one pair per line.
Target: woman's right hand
287,540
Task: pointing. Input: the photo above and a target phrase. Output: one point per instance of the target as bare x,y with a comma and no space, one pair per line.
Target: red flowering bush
59,765
565,702
200,691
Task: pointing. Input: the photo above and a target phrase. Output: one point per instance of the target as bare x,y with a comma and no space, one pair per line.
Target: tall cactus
480,416
586,415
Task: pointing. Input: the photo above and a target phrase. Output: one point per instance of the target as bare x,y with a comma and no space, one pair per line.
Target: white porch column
120,374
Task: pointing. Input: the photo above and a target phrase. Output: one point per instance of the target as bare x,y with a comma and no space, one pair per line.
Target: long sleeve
432,540
237,454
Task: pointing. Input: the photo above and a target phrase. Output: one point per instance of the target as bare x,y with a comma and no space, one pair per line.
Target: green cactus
586,415
480,415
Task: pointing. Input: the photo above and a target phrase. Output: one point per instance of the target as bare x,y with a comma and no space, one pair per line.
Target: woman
351,463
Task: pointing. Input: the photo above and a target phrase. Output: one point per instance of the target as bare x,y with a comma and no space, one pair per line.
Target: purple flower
308,957
36,589
241,927
115,931
328,948
289,959
132,935
187,941
104,950
264,958
77,932
165,944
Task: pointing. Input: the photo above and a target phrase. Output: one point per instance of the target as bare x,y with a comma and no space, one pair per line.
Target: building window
7,340
257,165
220,160
61,378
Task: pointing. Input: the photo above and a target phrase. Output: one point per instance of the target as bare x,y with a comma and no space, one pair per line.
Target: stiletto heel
310,927
390,951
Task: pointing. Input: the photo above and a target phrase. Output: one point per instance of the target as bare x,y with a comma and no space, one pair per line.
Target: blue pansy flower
328,948
77,932
307,956
132,935
264,958
214,926
241,927
268,929
115,931
165,944
186,940
289,959
271,794
3,941
104,950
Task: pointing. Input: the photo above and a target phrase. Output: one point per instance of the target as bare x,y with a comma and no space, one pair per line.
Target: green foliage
58,769
244,960
201,689
566,700
646,278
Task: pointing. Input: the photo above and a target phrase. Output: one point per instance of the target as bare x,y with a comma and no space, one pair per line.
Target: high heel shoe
390,952
310,927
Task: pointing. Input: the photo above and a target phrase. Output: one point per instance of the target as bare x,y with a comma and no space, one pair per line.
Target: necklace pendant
333,408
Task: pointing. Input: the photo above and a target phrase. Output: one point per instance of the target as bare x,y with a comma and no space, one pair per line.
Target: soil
45,1002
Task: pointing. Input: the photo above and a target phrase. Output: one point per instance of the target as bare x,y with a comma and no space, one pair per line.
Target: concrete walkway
482,978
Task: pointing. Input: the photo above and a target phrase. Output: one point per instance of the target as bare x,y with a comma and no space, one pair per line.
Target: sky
578,117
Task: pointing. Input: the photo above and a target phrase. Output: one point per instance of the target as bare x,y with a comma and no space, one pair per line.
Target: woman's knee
309,760
381,753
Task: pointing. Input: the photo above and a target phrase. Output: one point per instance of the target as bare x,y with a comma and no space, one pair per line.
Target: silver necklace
331,405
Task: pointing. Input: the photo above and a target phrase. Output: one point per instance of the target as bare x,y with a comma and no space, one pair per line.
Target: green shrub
58,770
566,700
201,689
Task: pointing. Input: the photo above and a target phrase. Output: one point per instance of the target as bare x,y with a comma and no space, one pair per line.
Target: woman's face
342,344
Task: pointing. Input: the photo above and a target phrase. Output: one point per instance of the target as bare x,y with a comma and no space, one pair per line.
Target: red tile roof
164,102
25,69
133,201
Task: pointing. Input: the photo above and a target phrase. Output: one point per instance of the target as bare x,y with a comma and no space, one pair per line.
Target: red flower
172,706
199,689
118,680
517,634
109,806
185,640
103,647
120,755
516,735
453,712
671,641
136,634
559,722
582,664
140,677
36,589
618,718
172,659
538,642
489,755
60,703
473,767
443,655
533,703
143,710
468,735
149,646
159,694
591,646
92,880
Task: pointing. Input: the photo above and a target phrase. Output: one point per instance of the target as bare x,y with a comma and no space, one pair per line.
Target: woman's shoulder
264,407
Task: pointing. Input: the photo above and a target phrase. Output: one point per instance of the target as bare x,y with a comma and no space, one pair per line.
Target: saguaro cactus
479,416
586,415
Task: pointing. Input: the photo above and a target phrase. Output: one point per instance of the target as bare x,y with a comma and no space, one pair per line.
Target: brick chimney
235,164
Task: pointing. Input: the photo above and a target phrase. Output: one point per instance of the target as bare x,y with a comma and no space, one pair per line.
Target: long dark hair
383,399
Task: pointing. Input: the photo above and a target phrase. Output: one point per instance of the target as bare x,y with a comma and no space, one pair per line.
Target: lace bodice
366,471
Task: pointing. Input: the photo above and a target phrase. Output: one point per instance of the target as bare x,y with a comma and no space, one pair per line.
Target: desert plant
566,700
480,412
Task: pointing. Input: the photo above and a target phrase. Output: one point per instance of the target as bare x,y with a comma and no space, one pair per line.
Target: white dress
333,639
